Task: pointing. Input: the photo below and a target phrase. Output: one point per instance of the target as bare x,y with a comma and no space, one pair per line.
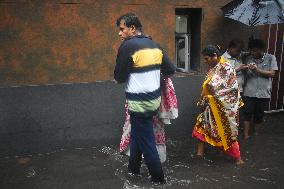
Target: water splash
128,185
181,165
261,179
200,178
184,182
264,169
171,143
79,148
30,172
215,180
113,154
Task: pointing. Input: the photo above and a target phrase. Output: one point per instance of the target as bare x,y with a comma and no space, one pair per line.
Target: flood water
103,166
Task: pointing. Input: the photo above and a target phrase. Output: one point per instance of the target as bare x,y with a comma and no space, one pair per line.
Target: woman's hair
130,19
212,50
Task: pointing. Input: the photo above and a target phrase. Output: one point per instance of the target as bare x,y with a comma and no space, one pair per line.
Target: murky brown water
104,167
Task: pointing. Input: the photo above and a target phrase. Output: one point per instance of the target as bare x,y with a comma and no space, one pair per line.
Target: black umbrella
255,12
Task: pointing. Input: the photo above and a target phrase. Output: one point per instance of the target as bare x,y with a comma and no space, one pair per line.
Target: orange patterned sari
220,101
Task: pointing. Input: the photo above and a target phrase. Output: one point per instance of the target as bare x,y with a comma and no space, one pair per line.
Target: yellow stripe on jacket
147,57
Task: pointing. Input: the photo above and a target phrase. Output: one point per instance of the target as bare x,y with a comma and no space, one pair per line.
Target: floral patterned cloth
168,110
220,102
169,107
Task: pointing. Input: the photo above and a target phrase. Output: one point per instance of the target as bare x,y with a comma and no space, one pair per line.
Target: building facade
59,41
57,60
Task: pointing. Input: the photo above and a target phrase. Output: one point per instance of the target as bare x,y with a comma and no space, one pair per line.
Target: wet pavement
103,167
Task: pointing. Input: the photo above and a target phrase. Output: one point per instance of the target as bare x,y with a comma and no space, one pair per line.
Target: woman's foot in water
240,162
200,149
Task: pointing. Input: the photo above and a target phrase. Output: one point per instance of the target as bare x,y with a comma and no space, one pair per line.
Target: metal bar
279,73
274,111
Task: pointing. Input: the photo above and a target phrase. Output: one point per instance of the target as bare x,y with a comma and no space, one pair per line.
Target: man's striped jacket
140,62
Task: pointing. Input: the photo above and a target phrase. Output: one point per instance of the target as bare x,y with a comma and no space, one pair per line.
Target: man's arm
167,68
241,67
123,64
267,73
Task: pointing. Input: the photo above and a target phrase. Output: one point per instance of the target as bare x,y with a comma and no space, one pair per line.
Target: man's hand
264,73
242,67
252,66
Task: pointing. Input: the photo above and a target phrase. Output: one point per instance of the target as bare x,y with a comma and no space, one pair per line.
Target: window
187,38
182,52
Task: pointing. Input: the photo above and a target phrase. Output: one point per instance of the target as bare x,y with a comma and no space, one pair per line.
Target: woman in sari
220,101
168,110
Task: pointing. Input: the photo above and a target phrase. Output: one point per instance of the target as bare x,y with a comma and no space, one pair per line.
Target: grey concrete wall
44,118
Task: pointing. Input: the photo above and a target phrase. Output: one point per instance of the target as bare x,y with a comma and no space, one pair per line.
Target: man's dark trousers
142,141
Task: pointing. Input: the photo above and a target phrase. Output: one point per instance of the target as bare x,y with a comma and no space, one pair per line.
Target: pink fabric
158,127
168,110
125,139
198,136
233,151
169,100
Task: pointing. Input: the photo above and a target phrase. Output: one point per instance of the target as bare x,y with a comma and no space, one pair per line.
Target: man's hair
130,19
256,43
236,43
212,50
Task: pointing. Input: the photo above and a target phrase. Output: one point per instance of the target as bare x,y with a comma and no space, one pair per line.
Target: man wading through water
139,63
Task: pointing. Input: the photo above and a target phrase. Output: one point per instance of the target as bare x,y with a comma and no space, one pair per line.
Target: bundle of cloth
168,110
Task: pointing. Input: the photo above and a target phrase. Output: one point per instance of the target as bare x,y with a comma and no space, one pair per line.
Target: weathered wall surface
76,41
53,42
